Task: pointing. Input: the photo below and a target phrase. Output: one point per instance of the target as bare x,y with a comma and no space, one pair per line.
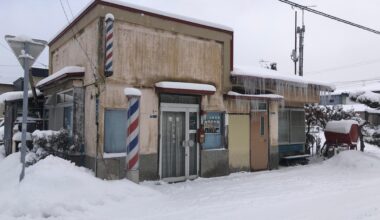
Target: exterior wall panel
239,142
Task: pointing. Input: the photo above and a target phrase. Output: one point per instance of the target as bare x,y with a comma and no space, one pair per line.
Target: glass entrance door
178,147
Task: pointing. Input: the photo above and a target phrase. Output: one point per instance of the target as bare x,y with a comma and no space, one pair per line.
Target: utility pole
301,32
293,56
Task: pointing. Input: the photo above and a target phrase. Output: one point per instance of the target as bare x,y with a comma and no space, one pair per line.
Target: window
68,119
115,131
262,126
258,105
291,126
214,130
59,111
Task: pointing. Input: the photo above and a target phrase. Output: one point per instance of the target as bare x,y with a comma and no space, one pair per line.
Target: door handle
188,143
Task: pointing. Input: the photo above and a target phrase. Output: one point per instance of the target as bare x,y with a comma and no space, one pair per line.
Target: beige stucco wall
241,106
273,123
238,142
114,98
146,50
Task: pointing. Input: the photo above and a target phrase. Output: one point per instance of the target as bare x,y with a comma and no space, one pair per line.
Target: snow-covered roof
360,108
66,71
16,95
352,87
342,126
264,73
145,10
264,96
186,86
132,92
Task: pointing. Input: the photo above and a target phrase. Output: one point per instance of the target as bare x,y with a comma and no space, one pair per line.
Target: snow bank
55,188
354,160
2,152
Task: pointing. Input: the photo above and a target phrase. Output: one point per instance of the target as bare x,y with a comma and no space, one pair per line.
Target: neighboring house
4,87
184,69
263,109
11,106
341,98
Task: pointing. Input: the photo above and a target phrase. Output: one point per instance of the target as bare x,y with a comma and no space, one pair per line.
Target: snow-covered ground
343,187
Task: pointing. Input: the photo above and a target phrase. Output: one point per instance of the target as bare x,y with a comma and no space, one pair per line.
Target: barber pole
109,19
133,133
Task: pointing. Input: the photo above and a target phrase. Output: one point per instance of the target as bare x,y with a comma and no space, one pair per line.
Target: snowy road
344,187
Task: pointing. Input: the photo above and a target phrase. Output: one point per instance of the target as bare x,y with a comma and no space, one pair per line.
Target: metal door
178,147
259,140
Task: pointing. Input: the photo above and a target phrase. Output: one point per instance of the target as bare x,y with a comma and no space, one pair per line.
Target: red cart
340,135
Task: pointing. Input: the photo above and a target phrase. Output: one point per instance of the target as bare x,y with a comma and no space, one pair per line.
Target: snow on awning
132,92
185,88
235,95
263,73
68,71
16,95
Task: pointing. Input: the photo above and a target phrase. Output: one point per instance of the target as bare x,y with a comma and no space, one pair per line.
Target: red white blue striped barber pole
109,19
133,145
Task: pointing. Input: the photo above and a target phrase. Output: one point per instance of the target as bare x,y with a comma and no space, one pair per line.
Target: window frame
290,127
222,132
118,154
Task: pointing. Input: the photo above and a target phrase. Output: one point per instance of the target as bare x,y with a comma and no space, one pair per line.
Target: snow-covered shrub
60,141
47,142
366,97
372,135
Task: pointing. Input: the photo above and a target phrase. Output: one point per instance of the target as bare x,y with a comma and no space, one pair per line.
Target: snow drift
57,188
343,187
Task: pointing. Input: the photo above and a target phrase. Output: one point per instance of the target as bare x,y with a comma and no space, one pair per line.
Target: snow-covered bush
366,97
48,142
372,135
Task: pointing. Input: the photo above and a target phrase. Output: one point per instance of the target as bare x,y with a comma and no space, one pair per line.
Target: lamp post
26,50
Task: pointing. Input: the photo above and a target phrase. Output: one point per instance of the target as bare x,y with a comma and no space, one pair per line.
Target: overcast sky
263,30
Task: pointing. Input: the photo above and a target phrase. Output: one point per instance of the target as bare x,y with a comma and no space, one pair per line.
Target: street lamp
26,50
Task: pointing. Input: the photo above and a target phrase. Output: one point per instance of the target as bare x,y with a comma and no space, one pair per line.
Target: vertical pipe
295,43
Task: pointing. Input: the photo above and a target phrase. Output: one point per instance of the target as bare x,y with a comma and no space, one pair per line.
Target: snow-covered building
189,88
365,91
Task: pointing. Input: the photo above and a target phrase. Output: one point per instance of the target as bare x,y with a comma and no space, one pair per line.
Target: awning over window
66,72
185,88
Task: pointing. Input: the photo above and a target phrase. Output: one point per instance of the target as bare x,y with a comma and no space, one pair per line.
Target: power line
362,63
71,11
92,65
329,16
360,80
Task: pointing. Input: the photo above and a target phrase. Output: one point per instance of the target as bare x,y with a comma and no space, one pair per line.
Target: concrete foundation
214,163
